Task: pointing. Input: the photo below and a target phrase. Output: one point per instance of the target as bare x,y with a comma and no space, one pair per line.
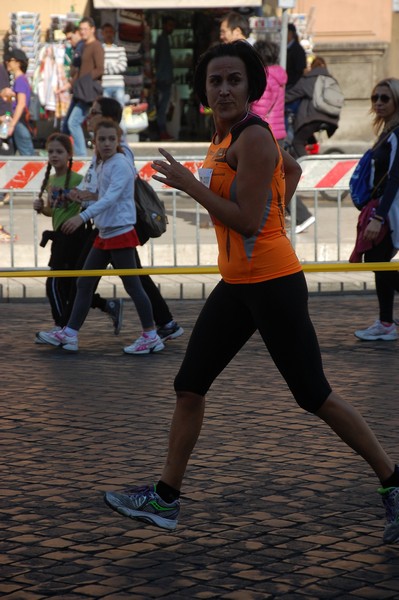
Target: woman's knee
190,401
311,401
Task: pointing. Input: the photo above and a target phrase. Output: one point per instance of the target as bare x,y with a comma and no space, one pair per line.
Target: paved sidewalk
274,506
185,287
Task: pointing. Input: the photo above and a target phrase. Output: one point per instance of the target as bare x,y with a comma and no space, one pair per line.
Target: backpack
327,96
359,183
151,215
360,186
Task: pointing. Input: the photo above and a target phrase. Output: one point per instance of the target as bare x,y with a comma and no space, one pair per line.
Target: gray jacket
303,89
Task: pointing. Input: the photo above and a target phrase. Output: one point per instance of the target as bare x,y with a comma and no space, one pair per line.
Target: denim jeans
77,116
163,98
64,124
116,92
23,140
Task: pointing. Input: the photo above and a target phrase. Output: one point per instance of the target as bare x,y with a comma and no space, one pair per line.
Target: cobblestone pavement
274,506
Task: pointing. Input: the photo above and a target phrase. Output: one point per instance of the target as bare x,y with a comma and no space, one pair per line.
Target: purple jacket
270,107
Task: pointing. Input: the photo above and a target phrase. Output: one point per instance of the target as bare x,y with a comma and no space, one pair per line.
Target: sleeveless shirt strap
250,119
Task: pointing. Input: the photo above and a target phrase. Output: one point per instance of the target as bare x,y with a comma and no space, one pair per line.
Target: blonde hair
318,61
379,123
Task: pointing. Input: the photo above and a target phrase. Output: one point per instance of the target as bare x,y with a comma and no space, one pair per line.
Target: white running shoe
60,338
37,338
145,345
378,331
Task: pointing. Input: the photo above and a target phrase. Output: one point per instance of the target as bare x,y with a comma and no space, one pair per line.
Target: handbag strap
377,185
377,145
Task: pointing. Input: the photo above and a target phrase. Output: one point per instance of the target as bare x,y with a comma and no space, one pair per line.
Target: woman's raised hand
174,173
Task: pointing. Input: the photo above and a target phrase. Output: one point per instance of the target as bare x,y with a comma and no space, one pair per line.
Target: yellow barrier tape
323,267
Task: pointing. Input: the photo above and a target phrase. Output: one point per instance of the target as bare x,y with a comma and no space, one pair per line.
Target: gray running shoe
170,333
144,504
390,499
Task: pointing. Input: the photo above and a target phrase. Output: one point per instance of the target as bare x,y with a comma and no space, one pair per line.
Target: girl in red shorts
114,215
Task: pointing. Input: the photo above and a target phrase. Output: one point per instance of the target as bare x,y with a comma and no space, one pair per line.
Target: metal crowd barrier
189,232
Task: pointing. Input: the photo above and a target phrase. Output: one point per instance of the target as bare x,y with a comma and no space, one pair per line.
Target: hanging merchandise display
269,29
195,28
50,79
24,33
131,31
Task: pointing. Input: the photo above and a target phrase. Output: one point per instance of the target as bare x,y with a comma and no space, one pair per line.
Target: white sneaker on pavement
378,331
145,344
37,338
60,338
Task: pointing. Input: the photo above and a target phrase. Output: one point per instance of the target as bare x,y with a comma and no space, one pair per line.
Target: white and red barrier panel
27,175
326,171
319,172
24,175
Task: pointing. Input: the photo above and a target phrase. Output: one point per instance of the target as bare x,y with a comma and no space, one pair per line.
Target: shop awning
168,4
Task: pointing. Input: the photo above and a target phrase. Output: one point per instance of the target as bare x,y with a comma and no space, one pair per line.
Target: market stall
196,27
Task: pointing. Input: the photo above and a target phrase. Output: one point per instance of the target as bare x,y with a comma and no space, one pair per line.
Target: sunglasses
383,97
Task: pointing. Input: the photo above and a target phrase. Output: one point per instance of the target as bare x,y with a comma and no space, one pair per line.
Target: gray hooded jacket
303,89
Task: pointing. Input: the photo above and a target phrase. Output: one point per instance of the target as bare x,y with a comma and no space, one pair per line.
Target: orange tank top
266,255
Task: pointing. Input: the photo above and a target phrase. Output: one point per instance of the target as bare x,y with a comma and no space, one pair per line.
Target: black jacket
296,63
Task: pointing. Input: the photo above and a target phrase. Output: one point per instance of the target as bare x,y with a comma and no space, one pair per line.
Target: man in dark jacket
296,57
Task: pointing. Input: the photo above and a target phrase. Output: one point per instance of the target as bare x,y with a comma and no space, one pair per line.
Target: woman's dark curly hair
251,59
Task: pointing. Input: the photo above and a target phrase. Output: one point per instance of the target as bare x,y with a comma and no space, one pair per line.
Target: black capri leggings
386,282
279,310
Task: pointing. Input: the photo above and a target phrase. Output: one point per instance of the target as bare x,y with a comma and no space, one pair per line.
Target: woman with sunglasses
382,232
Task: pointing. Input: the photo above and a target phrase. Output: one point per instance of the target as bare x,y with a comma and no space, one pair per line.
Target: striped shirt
115,64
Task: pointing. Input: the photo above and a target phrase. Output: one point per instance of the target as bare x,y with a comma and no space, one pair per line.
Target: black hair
23,65
107,25
110,108
88,20
71,28
251,59
292,28
234,20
